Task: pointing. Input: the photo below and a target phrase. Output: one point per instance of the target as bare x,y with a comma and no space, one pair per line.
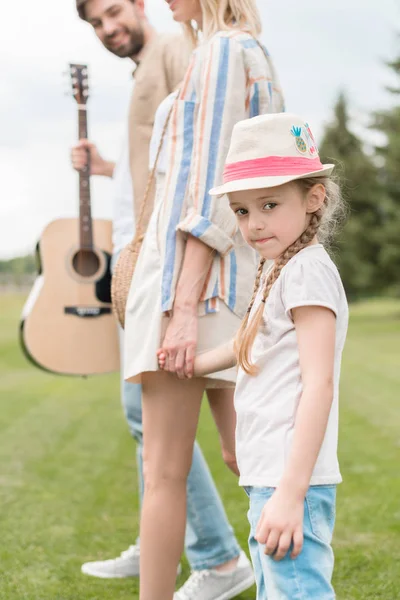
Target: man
219,568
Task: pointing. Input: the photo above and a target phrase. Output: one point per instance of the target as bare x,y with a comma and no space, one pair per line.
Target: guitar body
67,324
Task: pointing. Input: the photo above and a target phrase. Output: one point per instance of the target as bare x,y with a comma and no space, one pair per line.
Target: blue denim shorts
307,577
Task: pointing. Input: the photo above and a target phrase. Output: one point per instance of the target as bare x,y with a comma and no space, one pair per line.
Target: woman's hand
281,524
179,346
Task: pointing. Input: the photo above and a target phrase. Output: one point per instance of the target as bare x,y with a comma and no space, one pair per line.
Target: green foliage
369,246
388,123
21,265
69,488
359,242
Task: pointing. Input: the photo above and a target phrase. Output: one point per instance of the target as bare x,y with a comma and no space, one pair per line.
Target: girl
191,285
289,349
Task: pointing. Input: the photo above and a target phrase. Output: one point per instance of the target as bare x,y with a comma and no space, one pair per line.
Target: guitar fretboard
85,215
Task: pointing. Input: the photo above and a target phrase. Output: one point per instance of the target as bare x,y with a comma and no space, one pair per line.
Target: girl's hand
281,524
179,345
161,358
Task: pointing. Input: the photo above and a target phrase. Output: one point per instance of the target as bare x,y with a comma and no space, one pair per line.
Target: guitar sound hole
86,263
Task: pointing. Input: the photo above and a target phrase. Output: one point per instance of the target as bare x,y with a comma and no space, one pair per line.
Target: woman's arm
180,340
281,522
196,265
201,129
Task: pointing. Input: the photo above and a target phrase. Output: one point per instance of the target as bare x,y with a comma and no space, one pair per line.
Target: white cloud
319,48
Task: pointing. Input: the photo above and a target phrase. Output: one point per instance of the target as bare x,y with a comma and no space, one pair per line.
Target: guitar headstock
80,82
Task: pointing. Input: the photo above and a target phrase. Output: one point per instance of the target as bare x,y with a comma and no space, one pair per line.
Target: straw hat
270,150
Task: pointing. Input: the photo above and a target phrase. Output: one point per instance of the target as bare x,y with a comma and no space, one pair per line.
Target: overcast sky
319,48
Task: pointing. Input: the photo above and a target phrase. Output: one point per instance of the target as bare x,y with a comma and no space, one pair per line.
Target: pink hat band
268,151
271,166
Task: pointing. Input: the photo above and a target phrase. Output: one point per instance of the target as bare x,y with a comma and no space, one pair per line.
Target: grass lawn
68,489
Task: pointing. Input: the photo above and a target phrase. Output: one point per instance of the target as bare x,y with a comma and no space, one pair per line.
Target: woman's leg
170,415
223,411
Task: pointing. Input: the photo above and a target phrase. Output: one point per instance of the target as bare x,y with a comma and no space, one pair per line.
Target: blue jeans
307,577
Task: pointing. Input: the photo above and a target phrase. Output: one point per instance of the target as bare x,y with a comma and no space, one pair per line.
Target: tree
388,123
19,266
358,245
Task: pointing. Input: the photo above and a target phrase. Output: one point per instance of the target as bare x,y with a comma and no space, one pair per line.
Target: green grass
68,488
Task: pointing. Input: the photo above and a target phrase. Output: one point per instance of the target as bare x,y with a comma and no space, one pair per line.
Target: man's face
117,24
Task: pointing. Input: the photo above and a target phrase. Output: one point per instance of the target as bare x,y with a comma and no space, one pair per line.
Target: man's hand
98,166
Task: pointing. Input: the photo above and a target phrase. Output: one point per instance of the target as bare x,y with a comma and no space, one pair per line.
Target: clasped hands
178,350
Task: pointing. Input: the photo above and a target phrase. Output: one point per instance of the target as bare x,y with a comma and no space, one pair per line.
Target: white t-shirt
123,217
266,404
159,122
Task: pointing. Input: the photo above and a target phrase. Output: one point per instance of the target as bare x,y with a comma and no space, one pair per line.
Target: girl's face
272,219
185,10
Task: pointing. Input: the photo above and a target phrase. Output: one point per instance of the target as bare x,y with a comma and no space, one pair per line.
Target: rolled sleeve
208,232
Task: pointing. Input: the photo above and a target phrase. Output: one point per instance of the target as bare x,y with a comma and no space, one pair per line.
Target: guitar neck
85,213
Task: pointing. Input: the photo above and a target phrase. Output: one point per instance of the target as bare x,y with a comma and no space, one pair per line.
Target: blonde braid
247,334
256,283
245,320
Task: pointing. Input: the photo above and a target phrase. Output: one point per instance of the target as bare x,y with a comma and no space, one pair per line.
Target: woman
189,291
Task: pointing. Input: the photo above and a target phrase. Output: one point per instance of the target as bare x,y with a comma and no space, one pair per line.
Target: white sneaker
210,584
125,565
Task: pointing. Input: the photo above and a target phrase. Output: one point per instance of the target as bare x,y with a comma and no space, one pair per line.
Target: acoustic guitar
67,324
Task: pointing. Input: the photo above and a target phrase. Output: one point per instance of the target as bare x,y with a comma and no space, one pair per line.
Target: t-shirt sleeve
310,283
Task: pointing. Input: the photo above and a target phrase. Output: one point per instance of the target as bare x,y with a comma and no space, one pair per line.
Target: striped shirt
229,79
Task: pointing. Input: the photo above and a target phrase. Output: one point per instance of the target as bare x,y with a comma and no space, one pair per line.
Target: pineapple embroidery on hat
304,139
300,143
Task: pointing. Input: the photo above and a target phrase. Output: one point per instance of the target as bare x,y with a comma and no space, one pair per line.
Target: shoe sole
101,575
238,589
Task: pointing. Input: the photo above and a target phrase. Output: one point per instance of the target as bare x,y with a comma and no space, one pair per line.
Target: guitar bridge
87,311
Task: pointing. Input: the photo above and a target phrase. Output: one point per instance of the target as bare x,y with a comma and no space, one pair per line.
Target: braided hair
248,330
